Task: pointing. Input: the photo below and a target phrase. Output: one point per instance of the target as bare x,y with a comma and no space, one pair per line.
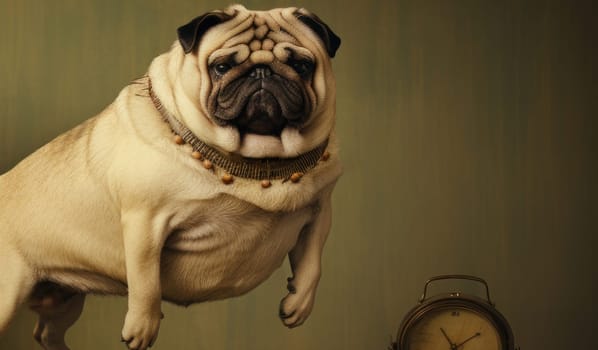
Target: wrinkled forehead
261,39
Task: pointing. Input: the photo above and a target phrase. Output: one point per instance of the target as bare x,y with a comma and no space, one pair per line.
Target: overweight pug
193,185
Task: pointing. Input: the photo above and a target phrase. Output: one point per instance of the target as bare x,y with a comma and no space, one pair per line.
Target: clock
454,321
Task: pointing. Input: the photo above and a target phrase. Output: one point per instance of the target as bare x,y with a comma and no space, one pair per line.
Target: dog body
118,205
215,233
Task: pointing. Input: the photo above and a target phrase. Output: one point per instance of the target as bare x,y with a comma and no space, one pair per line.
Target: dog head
256,83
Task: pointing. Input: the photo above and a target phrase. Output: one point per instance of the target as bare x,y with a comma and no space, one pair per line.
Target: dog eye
302,67
222,68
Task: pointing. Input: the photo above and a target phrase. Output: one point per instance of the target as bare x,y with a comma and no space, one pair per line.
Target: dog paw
140,330
296,306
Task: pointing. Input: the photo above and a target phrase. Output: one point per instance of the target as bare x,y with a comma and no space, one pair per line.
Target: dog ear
190,34
331,41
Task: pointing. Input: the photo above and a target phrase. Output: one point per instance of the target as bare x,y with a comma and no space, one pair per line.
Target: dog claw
283,315
127,342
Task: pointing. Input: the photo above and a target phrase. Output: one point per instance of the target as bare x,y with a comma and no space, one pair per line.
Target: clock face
452,328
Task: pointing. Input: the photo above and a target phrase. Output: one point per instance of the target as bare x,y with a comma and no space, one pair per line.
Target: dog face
260,83
262,95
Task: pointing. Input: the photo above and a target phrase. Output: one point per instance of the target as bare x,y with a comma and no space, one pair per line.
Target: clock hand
468,339
453,346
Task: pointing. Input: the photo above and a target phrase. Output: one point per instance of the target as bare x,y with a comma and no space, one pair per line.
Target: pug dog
193,185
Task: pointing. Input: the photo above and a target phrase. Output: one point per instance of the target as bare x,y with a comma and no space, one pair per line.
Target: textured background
468,131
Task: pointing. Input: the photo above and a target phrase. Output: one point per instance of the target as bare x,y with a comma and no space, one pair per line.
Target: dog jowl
195,184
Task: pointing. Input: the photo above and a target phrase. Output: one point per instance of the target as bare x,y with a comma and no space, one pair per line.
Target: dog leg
58,309
143,241
16,281
305,259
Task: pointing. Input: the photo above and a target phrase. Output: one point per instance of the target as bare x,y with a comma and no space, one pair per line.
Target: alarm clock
454,321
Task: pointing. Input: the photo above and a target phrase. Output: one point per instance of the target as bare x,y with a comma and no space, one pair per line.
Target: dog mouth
264,106
262,115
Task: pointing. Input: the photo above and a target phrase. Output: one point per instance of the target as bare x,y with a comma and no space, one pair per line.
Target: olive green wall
468,133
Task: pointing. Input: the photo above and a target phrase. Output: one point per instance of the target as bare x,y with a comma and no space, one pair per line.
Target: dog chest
225,247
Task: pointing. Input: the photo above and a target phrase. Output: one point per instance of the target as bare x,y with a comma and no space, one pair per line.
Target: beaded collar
264,169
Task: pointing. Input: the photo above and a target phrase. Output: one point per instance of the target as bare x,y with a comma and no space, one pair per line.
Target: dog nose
260,72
